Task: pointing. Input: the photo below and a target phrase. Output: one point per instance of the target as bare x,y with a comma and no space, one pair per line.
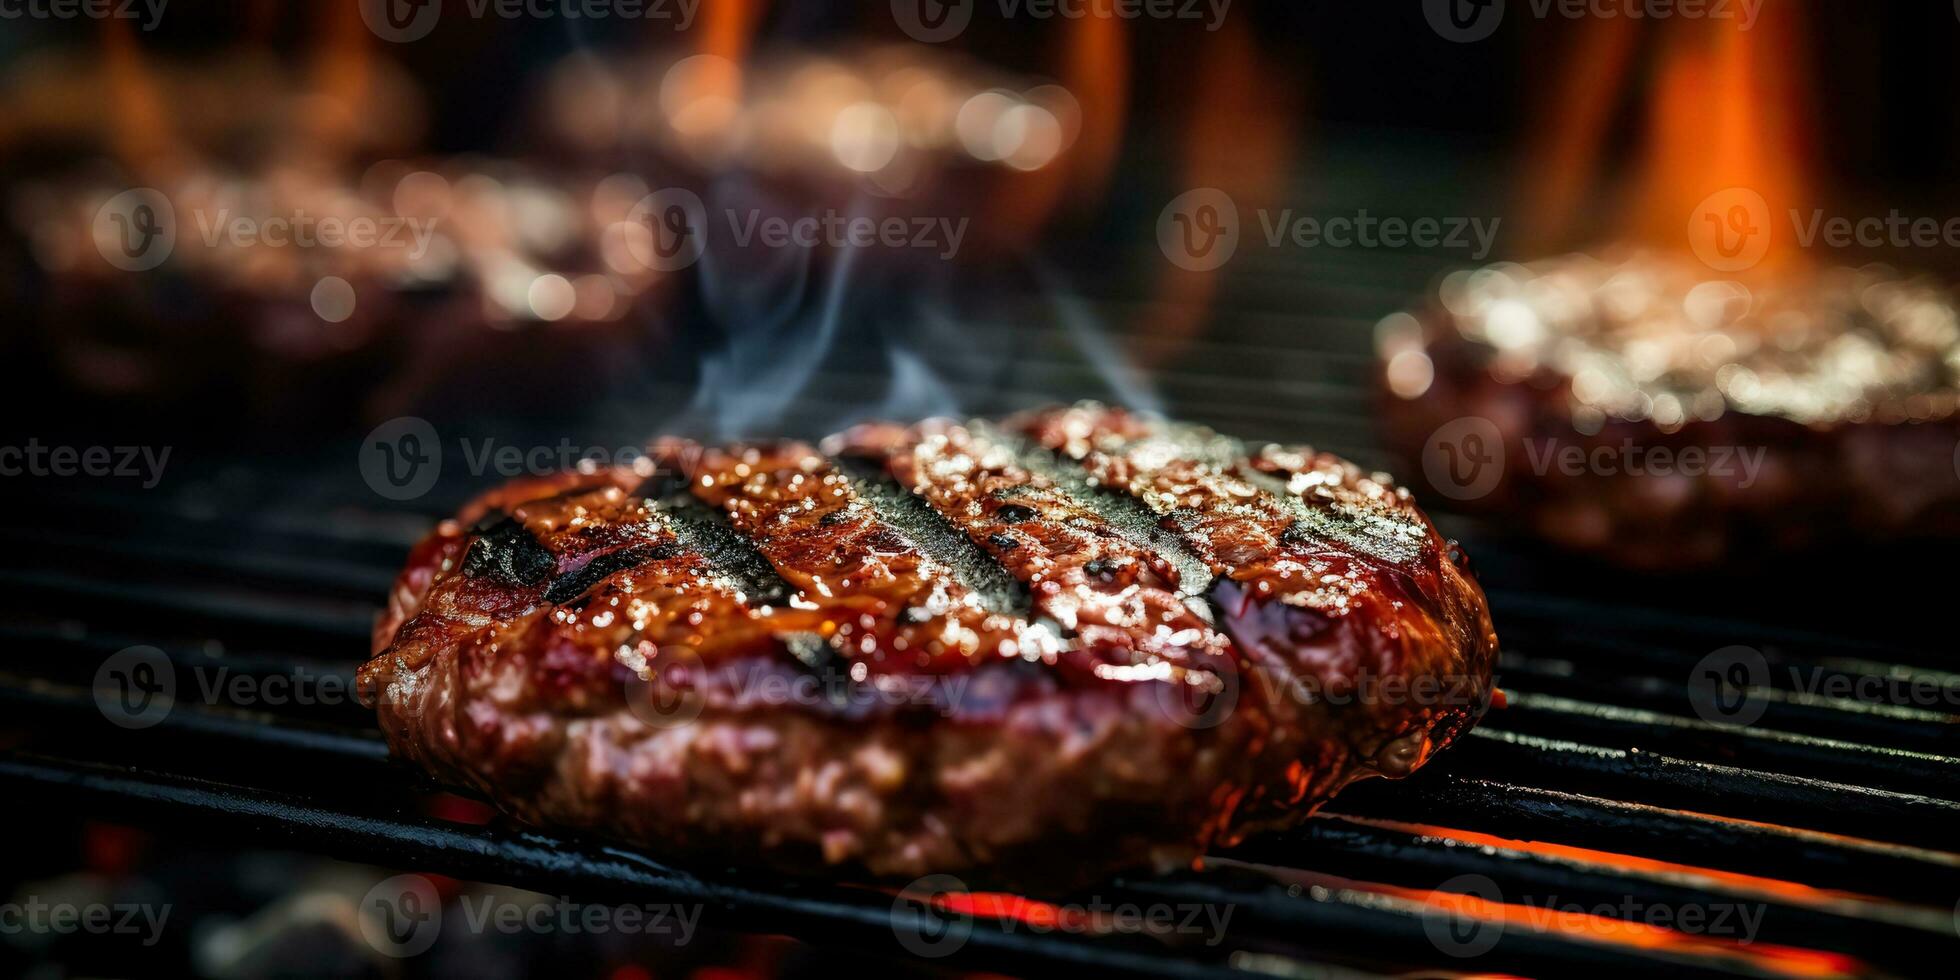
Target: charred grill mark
934,535
705,531
575,584
507,552
1357,543
1129,516
879,597
1330,504
1116,597
1187,478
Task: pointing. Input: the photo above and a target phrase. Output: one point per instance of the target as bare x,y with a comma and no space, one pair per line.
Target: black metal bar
1505,809
1649,777
86,549
1342,927
1754,747
1881,931
229,615
1884,726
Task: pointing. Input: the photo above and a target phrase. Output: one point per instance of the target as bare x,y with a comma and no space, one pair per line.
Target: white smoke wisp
807,341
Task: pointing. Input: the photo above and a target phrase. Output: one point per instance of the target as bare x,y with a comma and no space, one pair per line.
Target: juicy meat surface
1078,640
1634,408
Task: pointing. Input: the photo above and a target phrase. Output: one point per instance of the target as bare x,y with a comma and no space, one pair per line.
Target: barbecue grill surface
1598,785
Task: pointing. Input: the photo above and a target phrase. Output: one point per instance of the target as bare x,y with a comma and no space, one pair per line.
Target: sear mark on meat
507,552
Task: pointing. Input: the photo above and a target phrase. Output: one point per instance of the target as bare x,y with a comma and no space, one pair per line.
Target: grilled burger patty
1637,409
1078,640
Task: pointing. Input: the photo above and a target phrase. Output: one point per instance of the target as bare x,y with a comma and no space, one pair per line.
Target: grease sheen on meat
1077,640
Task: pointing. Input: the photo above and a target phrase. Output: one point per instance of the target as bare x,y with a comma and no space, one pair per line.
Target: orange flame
1096,69
1725,115
142,132
342,79
1724,112
1240,141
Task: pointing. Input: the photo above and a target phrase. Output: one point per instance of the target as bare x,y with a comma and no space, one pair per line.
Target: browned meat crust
1642,410
1081,641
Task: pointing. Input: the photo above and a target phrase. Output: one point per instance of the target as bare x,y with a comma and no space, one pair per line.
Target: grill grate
1598,786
